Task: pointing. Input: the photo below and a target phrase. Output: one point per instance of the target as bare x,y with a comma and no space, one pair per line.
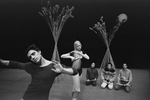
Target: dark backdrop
21,25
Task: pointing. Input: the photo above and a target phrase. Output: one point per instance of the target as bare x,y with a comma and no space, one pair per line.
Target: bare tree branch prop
56,22
54,19
115,28
100,29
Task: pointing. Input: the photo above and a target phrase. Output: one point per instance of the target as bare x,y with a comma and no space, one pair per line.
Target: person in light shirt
124,79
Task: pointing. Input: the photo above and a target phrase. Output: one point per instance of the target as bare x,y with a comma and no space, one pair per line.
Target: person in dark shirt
76,55
108,76
42,71
91,75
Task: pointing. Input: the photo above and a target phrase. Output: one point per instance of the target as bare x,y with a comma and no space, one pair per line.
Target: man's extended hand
57,67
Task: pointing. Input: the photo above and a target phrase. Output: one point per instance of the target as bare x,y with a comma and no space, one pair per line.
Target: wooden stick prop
100,29
56,21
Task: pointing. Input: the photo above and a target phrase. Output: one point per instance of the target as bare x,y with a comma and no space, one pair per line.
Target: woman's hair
76,43
32,47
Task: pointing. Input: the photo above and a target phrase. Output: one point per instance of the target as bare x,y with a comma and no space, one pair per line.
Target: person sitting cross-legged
124,79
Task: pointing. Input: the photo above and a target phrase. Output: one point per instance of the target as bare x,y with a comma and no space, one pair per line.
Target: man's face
109,66
124,66
93,65
34,56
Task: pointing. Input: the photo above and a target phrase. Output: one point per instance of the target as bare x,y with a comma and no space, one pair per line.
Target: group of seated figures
108,77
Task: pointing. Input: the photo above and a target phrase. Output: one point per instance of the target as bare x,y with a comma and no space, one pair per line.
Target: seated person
91,75
124,78
108,76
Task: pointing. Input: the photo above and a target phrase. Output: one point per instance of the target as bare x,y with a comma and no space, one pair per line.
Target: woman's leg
76,86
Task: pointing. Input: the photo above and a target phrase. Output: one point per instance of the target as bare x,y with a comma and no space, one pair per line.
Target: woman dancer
76,55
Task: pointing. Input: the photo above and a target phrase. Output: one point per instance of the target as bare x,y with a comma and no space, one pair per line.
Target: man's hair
32,47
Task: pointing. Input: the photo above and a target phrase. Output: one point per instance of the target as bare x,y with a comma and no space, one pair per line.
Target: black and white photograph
74,49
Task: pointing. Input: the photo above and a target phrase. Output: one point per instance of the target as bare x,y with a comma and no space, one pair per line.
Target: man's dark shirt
91,73
42,79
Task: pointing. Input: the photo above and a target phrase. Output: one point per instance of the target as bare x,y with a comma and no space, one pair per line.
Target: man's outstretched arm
58,68
11,64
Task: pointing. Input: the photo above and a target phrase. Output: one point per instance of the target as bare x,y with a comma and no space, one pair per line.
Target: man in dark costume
42,71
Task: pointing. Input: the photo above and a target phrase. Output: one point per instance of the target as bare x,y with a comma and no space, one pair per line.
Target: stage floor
13,83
